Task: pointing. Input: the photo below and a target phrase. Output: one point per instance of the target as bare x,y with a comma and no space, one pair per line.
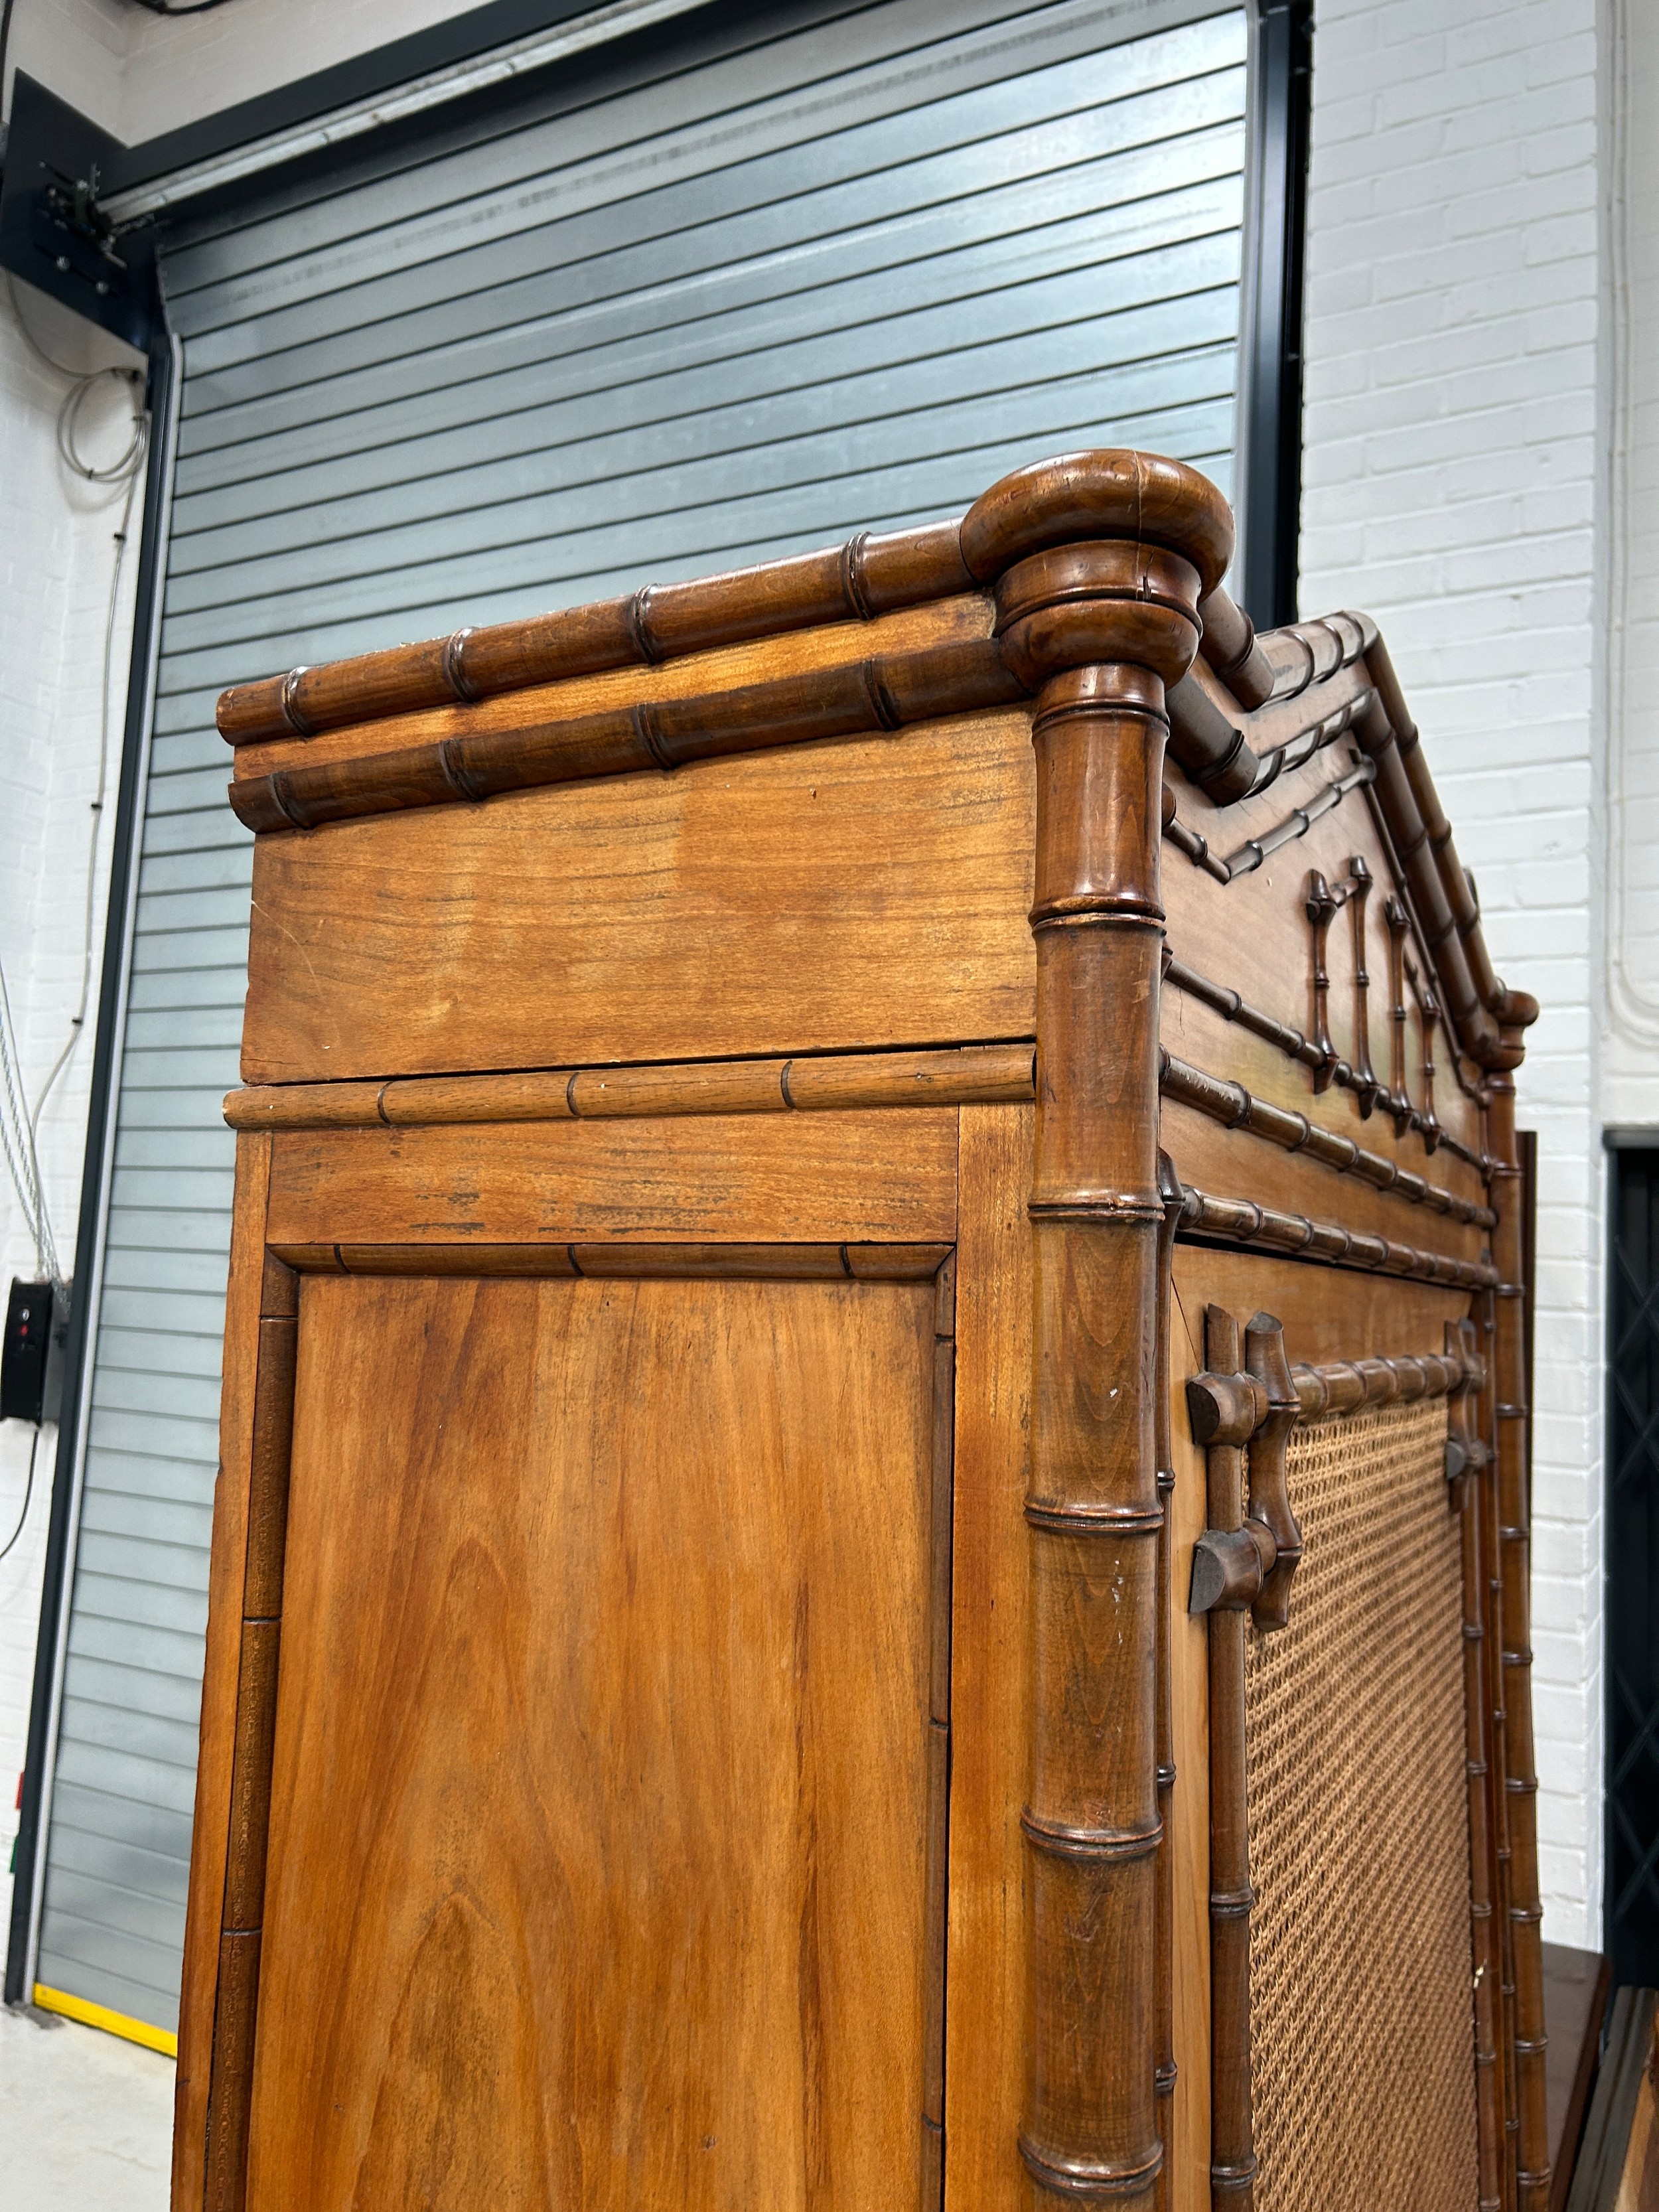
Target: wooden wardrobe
872,1546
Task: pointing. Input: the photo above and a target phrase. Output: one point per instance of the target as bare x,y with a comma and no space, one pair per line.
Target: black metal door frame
1631,1658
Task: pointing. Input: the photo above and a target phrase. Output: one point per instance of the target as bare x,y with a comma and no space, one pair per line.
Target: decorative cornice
1060,543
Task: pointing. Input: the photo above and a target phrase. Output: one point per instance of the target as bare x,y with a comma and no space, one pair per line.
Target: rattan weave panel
1363,2038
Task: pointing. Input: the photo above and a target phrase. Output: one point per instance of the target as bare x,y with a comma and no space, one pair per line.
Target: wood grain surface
839,895
1254,936
990,1694
832,1178
596,1868
210,1837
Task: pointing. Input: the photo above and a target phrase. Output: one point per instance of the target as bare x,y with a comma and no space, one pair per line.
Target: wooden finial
1321,906
1368,1091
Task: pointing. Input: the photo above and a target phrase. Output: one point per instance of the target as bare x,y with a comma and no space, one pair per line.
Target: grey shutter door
726,293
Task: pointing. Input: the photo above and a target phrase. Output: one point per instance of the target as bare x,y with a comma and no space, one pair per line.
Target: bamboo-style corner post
1164,2074
1465,1463
1098,575
1509,1410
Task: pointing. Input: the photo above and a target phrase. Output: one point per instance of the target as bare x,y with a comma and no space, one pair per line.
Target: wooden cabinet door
597,1862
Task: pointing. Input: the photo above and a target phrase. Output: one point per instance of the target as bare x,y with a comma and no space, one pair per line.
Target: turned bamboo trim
1522,1903
1235,1108
1253,851
1290,1041
1099,495
942,1523
625,1261
977,1075
1460,1339
1294,1237
1338,1388
1060,513
1268,1502
230,2082
850,583
1225,1407
1095,1516
865,698
1165,2073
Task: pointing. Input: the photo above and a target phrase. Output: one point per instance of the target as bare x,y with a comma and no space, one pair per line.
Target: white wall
1452,474
137,74
1630,78
57,565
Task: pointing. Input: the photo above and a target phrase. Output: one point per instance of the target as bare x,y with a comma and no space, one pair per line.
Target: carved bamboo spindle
1370,1091
1467,1450
1428,1013
1491,1668
1163,2075
1400,1101
1102,627
1270,1497
1322,903
230,2090
1226,1408
1525,1910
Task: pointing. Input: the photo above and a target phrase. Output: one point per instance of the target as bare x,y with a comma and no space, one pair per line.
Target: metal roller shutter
734,289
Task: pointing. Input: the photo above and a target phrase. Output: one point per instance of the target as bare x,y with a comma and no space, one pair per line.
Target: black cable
28,1492
160,8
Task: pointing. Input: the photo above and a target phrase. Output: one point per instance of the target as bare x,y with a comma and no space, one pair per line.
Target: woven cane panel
1363,2037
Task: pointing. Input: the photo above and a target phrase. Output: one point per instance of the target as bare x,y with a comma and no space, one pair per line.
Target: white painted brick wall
1453,313
57,559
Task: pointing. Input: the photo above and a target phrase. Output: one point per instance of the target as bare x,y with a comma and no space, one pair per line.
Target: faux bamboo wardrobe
873,1540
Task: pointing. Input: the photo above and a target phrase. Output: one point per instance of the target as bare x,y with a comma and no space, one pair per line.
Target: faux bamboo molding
1354,1386
624,1262
1083,494
866,576
1164,2075
1483,1946
969,1075
863,699
1235,1108
230,2089
1523,1908
1047,523
1242,1221
1291,1042
1269,1501
1226,1408
1091,1820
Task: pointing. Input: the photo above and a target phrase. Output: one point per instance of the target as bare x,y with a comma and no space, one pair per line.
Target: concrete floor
86,2120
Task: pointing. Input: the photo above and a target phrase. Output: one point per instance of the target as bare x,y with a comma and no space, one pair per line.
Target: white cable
18,1129
17,1141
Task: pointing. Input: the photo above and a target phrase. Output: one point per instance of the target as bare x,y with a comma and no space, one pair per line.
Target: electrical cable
19,1128
17,1141
28,1492
160,8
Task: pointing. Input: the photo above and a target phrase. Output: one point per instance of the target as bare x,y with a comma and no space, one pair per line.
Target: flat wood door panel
1328,1313
990,1688
597,1872
862,893
828,1178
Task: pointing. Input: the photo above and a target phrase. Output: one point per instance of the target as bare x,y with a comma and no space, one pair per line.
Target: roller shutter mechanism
731,296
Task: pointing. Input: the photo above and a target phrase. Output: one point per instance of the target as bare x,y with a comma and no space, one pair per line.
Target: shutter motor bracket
32,1352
